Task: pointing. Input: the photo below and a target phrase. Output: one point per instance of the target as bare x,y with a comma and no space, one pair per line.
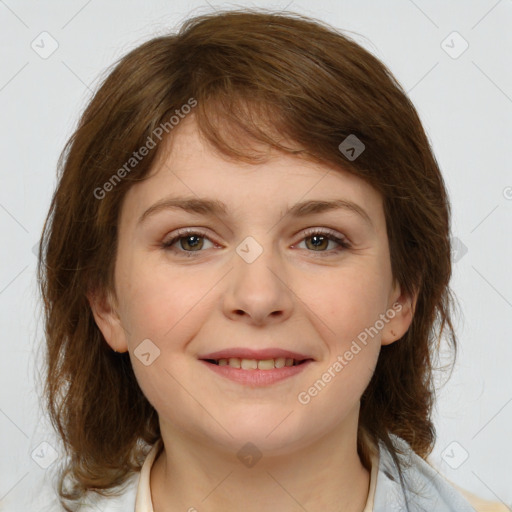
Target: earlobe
400,316
107,320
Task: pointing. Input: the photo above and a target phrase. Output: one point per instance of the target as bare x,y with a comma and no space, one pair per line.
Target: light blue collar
426,490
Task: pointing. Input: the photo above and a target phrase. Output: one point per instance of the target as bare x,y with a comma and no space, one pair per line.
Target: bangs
245,126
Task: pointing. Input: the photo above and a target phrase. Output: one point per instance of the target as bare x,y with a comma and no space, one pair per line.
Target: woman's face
249,276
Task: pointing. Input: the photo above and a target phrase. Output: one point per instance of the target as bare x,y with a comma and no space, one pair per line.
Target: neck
192,475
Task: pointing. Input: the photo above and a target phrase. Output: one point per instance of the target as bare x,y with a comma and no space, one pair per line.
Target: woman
246,275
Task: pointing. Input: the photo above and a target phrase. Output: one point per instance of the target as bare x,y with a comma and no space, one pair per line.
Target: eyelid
324,231
182,232
332,235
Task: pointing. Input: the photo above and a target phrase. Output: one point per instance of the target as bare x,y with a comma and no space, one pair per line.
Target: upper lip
247,353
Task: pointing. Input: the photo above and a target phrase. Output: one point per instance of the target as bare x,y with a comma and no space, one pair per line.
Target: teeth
234,362
249,364
253,364
266,364
279,362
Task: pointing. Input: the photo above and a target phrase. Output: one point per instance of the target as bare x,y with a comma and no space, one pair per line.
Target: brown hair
256,76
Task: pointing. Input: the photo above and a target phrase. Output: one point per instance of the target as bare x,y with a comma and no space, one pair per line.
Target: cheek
348,312
335,393
159,300
347,301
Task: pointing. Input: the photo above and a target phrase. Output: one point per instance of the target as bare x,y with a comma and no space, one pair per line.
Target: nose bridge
258,264
258,281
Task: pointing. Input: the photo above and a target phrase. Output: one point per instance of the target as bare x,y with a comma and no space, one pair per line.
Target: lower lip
257,377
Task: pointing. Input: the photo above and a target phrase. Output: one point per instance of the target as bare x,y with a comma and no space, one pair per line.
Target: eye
320,239
190,242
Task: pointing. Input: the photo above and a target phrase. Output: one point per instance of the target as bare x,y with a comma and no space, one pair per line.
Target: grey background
464,101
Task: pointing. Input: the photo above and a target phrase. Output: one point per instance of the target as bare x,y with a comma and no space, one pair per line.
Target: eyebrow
214,207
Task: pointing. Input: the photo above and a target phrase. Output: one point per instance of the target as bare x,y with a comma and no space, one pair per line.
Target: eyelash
329,234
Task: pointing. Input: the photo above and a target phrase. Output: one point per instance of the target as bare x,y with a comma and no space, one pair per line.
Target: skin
290,297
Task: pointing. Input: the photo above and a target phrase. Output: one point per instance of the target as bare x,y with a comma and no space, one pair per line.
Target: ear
107,319
400,313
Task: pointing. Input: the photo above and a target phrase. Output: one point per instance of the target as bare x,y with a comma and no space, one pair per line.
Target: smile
255,364
253,372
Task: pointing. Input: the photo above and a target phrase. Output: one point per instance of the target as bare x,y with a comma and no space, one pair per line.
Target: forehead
189,166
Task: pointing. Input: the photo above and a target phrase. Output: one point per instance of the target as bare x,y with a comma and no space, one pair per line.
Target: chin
270,433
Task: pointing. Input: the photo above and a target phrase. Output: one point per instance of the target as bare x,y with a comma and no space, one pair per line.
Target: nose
258,292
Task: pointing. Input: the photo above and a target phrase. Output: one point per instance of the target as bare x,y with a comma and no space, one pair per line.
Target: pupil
319,238
193,244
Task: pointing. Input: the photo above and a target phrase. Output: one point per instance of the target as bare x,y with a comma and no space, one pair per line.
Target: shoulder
122,501
39,492
425,489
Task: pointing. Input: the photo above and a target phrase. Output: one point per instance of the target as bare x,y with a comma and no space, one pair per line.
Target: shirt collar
143,501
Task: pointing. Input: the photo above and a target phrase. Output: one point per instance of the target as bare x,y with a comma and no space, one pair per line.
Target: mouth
257,364
255,368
